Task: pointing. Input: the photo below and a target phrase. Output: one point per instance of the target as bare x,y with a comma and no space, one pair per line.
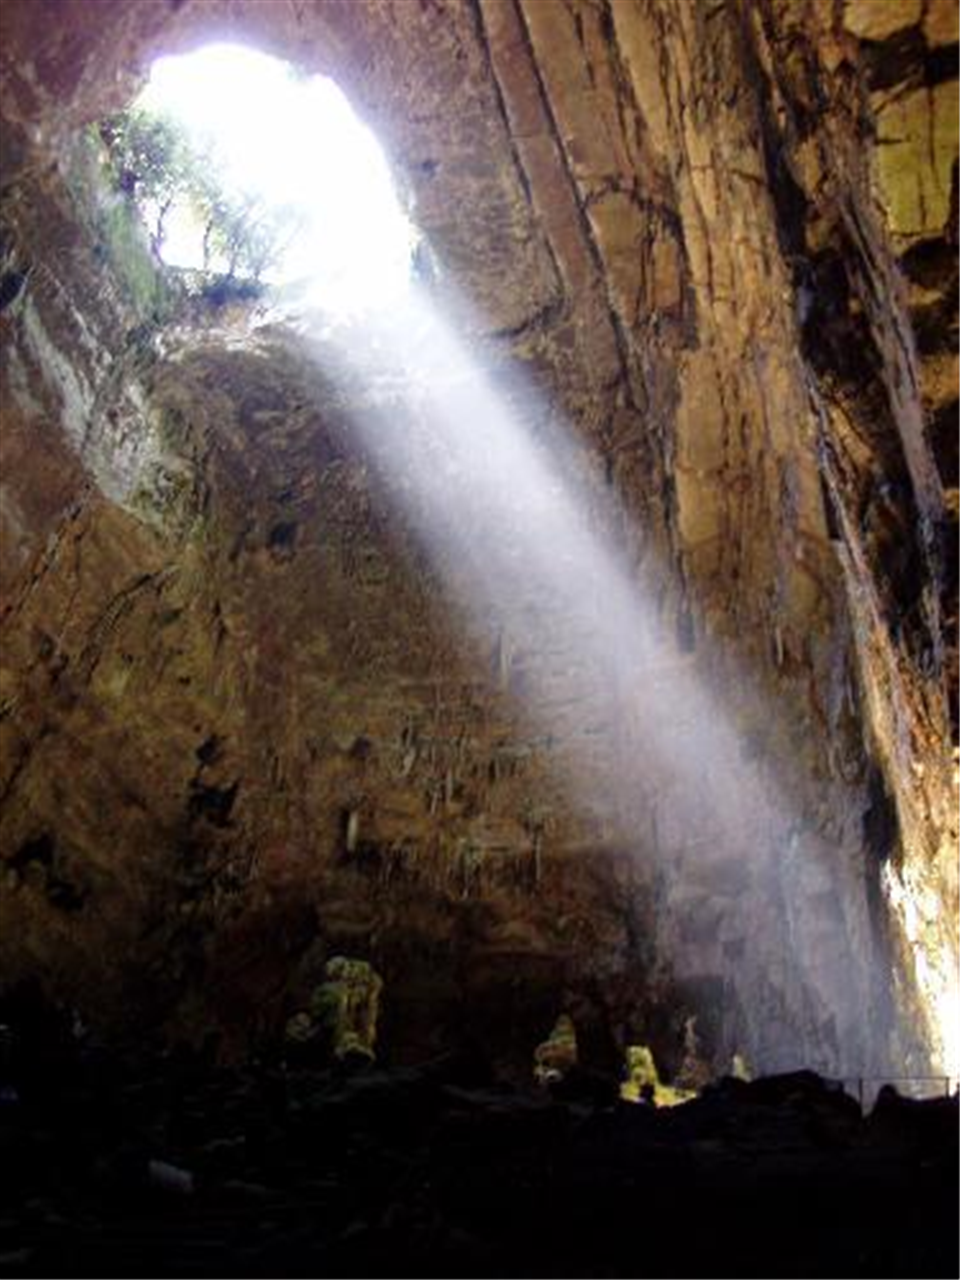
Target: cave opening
242,166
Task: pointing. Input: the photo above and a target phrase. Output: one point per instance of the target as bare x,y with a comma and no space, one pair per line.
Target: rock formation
242,730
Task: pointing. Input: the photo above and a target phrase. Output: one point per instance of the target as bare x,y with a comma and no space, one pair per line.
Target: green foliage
244,235
136,268
116,230
151,161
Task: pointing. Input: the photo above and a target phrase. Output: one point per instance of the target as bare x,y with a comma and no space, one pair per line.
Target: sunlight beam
518,537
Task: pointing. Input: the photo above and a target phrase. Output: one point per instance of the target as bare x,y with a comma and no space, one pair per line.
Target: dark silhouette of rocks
146,1165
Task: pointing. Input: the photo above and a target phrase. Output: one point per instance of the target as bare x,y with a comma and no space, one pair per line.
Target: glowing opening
292,144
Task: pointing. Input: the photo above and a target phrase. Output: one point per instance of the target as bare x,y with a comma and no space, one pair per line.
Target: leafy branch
151,161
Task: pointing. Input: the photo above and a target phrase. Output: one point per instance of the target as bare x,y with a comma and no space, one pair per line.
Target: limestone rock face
242,729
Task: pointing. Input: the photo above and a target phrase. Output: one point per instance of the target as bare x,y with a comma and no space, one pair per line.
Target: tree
151,163
245,235
154,164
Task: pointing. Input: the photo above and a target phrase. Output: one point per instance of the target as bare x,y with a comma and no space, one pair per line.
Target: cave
478,756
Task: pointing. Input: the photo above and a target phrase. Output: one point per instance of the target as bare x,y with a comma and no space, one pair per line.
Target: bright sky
297,142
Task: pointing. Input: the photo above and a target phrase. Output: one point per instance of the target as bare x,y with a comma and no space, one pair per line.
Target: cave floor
167,1167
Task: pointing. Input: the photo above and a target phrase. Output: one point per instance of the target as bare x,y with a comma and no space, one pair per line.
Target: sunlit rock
557,1055
346,1007
739,1067
916,152
878,19
642,1081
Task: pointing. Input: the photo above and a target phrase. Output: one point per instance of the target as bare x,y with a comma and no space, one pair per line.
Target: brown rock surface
241,727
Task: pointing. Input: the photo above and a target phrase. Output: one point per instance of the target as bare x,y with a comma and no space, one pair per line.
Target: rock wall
242,728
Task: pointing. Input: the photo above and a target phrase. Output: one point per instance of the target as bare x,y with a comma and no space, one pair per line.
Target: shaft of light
524,547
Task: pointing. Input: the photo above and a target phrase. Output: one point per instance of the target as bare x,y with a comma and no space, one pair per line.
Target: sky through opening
295,142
